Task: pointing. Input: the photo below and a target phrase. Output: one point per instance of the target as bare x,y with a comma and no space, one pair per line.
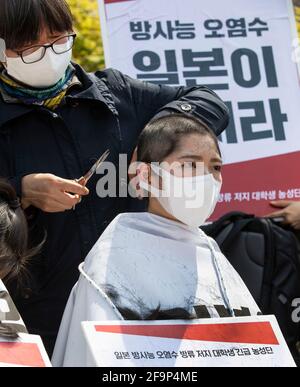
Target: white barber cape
142,262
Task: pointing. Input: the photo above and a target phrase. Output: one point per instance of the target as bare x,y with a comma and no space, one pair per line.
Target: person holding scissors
56,120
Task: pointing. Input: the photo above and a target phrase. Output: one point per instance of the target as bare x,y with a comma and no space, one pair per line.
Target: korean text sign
243,51
238,342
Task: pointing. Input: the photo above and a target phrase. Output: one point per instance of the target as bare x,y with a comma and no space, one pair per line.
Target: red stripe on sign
262,175
250,333
22,354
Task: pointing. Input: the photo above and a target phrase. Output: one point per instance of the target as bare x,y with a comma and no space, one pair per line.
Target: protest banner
244,50
26,351
239,342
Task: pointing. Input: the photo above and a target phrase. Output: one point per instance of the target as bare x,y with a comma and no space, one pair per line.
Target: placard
26,351
246,51
228,342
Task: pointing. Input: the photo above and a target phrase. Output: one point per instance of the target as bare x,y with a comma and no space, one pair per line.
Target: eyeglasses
36,53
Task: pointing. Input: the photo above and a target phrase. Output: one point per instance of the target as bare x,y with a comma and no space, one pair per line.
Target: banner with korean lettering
245,51
230,342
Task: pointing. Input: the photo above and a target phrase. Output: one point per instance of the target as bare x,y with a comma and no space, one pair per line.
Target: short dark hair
162,136
21,21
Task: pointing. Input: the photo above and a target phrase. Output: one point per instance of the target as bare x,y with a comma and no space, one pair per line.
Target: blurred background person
14,257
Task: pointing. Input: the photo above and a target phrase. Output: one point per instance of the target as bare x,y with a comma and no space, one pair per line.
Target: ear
143,175
143,172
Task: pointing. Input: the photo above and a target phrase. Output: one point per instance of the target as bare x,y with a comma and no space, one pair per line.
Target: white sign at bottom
239,342
26,351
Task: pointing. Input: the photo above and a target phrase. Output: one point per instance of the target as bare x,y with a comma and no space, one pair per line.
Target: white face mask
43,74
192,200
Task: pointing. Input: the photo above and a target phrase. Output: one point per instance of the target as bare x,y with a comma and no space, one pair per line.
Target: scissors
85,179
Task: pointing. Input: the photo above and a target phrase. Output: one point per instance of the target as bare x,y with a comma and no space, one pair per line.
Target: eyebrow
199,158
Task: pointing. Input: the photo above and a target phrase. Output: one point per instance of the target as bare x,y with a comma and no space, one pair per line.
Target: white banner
238,342
26,351
246,52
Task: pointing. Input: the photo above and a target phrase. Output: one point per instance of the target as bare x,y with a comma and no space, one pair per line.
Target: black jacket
107,112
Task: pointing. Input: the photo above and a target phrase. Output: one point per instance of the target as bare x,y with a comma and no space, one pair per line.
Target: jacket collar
93,88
